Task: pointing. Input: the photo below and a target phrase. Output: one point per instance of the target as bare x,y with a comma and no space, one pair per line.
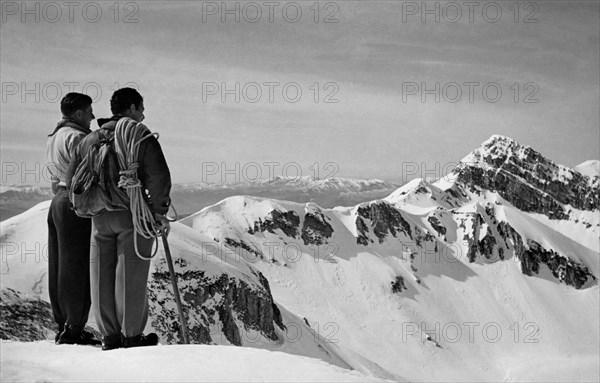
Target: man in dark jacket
68,234
119,276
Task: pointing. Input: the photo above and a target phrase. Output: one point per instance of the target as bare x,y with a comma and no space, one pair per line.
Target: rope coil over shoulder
129,134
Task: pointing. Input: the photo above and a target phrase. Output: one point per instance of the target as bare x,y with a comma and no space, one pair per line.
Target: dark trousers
68,263
119,277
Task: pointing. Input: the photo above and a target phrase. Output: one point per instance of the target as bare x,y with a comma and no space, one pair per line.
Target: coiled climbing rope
129,134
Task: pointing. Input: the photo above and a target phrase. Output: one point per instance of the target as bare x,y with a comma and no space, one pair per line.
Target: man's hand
162,224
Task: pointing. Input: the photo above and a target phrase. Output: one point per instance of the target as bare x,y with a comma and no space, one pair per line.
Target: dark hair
72,102
123,98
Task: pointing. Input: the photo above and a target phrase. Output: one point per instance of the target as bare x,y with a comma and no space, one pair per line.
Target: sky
243,90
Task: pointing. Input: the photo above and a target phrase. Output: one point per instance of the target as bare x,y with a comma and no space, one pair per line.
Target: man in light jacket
68,234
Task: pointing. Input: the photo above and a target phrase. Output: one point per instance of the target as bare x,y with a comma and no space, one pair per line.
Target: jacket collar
66,123
109,123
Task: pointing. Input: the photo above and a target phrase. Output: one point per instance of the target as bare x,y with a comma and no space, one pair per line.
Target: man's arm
75,160
155,175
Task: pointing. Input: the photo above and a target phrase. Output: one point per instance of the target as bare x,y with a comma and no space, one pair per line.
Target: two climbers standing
119,256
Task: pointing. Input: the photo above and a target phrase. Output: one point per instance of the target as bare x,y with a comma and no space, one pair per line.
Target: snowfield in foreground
46,362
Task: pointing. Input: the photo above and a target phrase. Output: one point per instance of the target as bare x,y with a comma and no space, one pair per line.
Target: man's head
127,102
77,108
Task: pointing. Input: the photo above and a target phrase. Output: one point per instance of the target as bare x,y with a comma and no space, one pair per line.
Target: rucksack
94,185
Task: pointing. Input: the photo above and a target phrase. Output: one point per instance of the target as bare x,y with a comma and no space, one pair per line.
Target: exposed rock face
398,285
437,226
422,236
384,219
287,221
363,232
499,240
315,229
232,243
219,302
511,237
487,244
564,269
533,255
25,319
527,180
472,238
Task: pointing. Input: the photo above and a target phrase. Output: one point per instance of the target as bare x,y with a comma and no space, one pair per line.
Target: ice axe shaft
182,320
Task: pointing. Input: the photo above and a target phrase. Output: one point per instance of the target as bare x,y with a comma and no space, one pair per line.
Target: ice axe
182,320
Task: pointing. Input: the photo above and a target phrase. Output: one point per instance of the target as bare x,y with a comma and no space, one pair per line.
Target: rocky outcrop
315,229
214,305
522,195
384,218
233,244
33,316
287,222
362,230
398,285
487,244
437,226
472,238
564,269
423,236
532,256
24,318
512,239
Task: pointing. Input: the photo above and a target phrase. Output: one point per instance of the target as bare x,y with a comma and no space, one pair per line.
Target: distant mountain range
328,192
188,198
17,199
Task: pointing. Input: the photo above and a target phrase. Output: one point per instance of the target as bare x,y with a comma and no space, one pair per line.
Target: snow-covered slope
226,299
590,168
178,363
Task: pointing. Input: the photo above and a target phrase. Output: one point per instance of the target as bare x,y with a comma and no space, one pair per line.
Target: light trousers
118,277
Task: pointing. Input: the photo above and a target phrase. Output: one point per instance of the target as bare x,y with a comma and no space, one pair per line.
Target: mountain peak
495,138
496,149
527,179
